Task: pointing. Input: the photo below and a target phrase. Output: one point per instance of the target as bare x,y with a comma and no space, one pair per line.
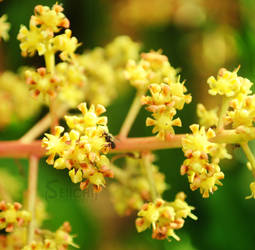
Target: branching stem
132,114
149,174
249,155
32,190
223,111
19,149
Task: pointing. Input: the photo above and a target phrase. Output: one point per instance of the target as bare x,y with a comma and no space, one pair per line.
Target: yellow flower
90,117
198,140
42,82
163,123
164,217
164,96
49,19
152,68
207,118
55,144
252,188
11,215
229,84
66,44
4,28
120,50
15,103
243,112
34,40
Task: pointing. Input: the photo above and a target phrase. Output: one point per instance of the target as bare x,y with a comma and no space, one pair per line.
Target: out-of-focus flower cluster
14,220
155,73
202,161
104,68
4,28
14,185
44,239
184,13
12,216
15,103
133,189
164,217
82,150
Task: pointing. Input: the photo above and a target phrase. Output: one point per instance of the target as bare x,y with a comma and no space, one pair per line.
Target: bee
109,138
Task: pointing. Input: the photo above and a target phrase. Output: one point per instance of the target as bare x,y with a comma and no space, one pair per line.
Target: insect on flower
109,138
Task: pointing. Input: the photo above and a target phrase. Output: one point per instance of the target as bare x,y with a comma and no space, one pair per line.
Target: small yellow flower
66,44
207,118
49,19
120,50
198,140
4,28
90,117
164,96
229,84
55,144
164,217
33,40
11,215
243,112
152,68
163,123
252,188
44,83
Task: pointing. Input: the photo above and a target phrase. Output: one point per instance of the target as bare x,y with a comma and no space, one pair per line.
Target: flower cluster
167,92
4,28
164,217
61,239
242,112
64,81
229,84
104,67
40,35
202,161
82,150
11,216
133,189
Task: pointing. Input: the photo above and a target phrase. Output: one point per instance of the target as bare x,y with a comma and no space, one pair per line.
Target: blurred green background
198,36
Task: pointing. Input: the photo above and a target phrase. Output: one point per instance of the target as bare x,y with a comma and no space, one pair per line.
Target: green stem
249,155
49,58
149,174
32,188
223,111
132,114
